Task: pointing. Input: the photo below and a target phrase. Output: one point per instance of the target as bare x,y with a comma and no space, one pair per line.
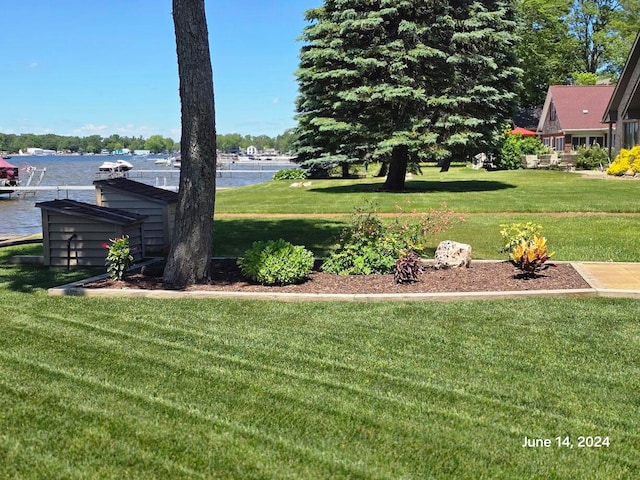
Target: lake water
20,216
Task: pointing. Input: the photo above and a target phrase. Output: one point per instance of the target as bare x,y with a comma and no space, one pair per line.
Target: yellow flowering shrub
626,159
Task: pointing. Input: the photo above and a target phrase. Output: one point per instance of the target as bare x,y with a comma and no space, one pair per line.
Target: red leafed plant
408,267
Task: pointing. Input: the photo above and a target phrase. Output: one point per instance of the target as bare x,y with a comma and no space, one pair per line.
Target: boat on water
116,166
8,176
165,162
176,160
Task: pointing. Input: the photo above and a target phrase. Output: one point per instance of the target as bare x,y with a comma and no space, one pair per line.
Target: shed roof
578,107
138,189
87,210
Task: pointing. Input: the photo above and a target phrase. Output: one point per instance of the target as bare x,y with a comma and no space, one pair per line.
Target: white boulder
450,254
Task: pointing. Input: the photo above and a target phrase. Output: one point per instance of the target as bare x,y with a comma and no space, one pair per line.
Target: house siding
158,226
626,114
87,245
550,126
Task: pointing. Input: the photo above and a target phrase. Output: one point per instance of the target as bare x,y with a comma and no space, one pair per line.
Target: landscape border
595,289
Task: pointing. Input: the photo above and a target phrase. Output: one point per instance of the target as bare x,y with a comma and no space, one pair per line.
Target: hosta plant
531,256
119,257
276,262
408,267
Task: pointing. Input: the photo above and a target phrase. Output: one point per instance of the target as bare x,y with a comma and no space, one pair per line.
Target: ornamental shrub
592,158
514,234
407,269
513,146
627,159
371,246
276,262
530,256
290,174
119,257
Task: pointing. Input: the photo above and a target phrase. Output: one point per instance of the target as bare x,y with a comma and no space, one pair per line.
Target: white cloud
90,129
275,101
34,65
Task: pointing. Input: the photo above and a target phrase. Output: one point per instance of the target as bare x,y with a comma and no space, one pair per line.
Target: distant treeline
11,143
232,141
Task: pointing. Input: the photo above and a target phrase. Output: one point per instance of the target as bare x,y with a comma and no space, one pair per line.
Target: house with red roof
572,116
623,109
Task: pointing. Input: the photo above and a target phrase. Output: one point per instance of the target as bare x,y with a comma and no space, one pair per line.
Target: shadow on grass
30,278
421,186
232,237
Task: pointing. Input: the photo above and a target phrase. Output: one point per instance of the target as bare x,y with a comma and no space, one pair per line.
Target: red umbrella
522,131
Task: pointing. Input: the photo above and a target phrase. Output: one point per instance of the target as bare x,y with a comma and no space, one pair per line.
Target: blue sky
84,67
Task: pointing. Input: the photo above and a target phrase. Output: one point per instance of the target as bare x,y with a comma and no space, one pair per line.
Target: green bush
369,246
276,262
592,158
514,146
119,257
290,174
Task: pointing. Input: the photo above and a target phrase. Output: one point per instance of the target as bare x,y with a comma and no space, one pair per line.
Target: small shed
74,233
157,204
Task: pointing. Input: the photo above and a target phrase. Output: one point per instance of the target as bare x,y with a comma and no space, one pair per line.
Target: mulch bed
479,277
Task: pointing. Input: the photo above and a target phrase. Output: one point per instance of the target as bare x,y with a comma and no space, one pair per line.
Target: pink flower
104,245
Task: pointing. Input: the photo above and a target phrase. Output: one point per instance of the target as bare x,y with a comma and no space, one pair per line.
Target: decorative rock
629,173
450,254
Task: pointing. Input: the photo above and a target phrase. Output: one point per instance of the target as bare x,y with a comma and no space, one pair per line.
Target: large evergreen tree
404,80
482,91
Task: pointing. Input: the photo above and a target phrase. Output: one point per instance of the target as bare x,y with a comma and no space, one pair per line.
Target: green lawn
463,189
96,388
576,237
117,388
583,218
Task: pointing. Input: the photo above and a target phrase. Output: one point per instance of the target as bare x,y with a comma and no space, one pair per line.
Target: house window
553,116
547,142
559,144
587,141
578,141
630,136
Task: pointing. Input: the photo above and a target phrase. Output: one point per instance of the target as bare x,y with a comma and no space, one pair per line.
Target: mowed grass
575,237
462,189
96,388
143,388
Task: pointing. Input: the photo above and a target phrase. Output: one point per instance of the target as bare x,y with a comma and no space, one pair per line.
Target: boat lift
33,172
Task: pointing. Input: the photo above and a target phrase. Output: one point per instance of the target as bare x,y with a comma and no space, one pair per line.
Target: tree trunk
345,170
384,169
397,169
445,164
191,247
